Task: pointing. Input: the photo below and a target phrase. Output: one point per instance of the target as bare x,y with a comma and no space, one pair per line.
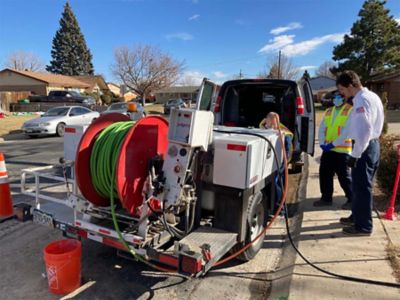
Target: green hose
103,162
104,157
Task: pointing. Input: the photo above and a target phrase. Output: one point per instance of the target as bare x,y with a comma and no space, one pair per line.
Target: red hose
262,233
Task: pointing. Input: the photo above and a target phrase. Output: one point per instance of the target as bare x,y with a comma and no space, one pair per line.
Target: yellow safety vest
333,127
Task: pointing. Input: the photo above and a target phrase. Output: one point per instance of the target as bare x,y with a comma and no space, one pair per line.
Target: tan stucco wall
60,88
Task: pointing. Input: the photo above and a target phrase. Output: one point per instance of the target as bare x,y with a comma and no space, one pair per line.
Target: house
38,83
96,83
389,84
114,88
176,92
322,85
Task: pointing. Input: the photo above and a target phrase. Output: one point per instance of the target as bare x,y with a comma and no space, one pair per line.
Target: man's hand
352,162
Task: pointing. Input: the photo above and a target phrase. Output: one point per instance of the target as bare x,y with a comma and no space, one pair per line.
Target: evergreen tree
70,54
373,45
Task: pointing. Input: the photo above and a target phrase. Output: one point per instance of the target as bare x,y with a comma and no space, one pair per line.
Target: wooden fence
45,106
8,98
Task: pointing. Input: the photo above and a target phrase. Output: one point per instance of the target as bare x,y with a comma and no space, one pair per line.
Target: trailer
178,195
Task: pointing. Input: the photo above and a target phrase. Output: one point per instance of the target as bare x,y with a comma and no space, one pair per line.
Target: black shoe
346,206
322,203
346,221
351,230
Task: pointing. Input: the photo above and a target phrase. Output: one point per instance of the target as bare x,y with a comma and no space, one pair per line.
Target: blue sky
215,38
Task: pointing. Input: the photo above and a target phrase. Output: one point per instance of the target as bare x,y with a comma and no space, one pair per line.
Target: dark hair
348,78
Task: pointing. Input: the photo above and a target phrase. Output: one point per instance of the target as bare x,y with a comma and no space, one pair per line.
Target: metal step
220,242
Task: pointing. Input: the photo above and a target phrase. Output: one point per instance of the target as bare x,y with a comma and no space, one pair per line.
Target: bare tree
145,69
325,69
24,61
283,69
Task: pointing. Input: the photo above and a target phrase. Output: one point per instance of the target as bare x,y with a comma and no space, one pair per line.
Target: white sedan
55,120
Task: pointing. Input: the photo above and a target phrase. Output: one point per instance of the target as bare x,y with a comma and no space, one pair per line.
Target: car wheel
256,219
60,129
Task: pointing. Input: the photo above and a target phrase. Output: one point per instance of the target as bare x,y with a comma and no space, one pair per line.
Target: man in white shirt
365,128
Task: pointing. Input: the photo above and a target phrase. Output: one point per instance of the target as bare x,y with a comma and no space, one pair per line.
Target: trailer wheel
256,218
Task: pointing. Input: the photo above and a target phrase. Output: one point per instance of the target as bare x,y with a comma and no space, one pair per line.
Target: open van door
206,95
306,125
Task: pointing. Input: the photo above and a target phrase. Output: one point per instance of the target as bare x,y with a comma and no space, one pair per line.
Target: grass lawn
154,109
13,123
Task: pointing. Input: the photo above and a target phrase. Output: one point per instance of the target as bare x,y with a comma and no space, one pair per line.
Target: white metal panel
241,160
72,137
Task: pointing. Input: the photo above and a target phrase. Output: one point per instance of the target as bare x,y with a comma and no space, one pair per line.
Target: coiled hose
103,162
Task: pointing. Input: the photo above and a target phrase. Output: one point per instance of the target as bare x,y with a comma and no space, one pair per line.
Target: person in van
271,121
336,146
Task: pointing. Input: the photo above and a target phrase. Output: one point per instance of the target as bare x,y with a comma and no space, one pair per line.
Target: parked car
122,108
245,102
55,120
64,96
327,99
177,103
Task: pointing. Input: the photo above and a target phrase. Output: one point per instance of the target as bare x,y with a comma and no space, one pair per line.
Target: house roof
322,83
92,80
383,77
178,89
114,84
51,79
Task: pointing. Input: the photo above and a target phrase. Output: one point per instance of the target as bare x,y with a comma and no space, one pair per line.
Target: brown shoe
346,221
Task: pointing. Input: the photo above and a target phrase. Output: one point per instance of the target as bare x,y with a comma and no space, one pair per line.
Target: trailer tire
256,219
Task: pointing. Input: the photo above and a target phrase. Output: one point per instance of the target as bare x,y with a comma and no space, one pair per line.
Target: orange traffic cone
6,206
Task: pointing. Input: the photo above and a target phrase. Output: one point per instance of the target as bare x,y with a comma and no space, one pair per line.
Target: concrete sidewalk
322,242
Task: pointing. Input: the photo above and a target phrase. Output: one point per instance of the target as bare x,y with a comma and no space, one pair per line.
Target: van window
246,105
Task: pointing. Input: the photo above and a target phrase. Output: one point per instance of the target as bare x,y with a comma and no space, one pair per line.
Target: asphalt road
113,277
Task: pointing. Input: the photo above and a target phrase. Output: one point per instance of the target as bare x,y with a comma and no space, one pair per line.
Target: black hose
339,276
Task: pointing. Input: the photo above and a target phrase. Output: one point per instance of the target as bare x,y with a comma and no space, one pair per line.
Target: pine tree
70,54
373,45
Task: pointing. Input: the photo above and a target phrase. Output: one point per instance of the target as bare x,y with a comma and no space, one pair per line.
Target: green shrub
105,99
388,163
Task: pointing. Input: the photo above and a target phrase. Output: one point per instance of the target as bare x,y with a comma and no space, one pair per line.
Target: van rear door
306,121
206,95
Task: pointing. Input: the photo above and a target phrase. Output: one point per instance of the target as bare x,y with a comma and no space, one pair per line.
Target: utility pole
240,74
279,65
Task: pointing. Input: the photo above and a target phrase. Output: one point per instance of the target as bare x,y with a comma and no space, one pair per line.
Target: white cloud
194,17
277,43
397,20
192,77
282,29
184,36
289,48
219,74
303,68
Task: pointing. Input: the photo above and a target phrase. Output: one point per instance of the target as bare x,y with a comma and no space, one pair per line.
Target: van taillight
217,106
300,105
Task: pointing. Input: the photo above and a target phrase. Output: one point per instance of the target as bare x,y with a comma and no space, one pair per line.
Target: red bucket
63,265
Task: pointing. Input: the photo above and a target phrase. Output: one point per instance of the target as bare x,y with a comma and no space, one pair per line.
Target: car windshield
117,106
58,111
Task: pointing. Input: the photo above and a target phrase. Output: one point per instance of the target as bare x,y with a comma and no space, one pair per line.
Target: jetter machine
177,195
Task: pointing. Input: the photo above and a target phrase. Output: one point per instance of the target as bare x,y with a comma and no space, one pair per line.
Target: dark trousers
334,163
363,175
